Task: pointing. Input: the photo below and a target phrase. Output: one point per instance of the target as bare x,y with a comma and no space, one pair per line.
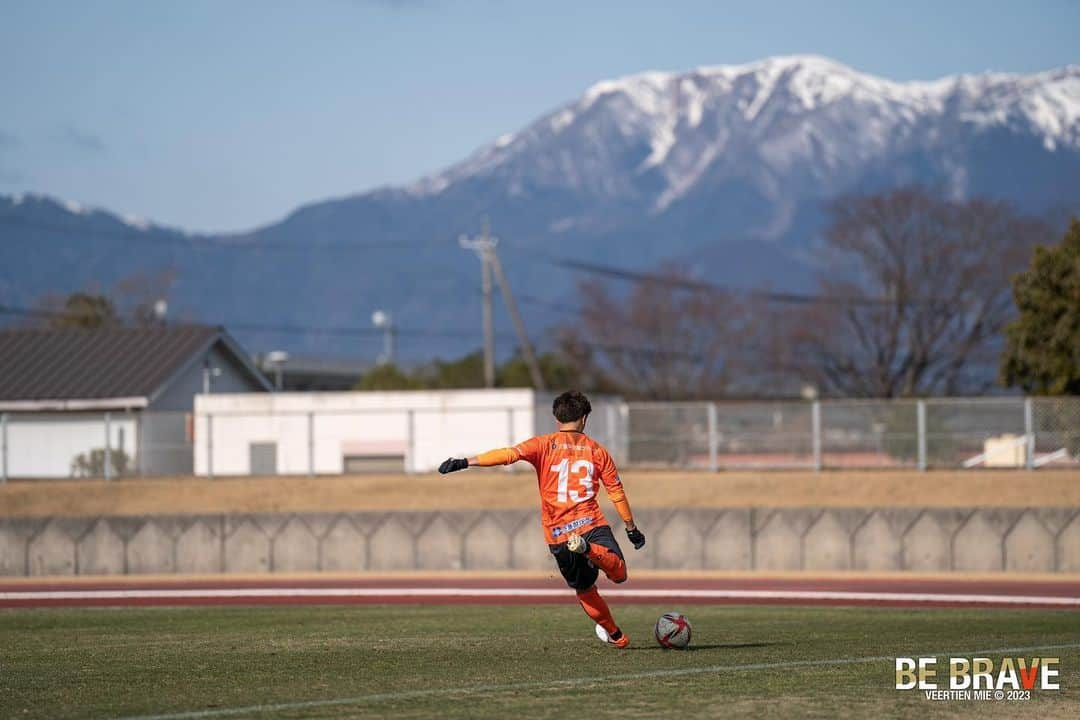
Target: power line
206,244
353,331
638,276
196,242
533,300
689,284
641,350
416,333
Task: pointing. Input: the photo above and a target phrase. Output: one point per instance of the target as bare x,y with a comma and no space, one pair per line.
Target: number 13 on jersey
582,471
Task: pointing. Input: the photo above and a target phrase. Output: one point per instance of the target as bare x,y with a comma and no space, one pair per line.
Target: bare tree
137,295
916,296
660,342
131,300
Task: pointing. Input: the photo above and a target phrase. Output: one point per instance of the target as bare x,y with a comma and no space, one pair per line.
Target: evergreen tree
388,377
1042,348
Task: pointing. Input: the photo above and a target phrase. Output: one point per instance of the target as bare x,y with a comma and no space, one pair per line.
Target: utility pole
484,246
519,325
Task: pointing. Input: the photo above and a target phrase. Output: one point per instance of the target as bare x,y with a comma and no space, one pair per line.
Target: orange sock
595,607
612,565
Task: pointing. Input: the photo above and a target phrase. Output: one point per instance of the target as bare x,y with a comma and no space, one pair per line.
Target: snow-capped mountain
39,204
773,125
725,170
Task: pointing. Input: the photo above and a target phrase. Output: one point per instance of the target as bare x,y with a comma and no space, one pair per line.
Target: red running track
896,591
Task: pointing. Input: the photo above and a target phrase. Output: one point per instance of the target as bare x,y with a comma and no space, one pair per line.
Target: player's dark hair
571,406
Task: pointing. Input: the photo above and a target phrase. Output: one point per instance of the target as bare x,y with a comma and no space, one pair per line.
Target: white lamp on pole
277,360
384,321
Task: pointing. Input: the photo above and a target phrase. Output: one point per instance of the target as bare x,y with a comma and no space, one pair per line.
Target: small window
263,458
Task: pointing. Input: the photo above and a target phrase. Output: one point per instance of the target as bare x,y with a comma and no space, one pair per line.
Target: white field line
435,593
577,682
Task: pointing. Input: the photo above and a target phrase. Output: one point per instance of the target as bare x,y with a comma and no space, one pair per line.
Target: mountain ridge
724,170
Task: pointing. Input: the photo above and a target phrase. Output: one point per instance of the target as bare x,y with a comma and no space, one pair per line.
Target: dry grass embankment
500,489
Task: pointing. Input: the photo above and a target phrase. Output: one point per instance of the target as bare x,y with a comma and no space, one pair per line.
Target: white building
356,432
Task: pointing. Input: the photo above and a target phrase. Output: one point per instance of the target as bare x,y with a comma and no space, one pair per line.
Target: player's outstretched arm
502,456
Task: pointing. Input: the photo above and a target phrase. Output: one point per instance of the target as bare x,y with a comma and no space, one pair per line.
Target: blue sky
223,115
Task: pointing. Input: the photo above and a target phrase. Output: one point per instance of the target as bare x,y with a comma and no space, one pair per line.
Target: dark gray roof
61,365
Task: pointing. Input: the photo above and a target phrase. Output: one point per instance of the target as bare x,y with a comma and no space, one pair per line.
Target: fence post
139,432
920,419
410,436
510,439
714,439
108,446
311,444
624,428
1029,432
3,447
611,418
209,446
815,425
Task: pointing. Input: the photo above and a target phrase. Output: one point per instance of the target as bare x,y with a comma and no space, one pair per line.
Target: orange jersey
570,466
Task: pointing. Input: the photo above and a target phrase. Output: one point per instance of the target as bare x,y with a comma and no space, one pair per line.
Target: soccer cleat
576,544
622,642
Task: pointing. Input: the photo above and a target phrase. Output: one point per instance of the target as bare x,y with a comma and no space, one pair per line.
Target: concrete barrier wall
1009,540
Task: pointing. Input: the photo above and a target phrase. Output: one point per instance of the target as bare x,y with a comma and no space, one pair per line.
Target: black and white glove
453,465
636,537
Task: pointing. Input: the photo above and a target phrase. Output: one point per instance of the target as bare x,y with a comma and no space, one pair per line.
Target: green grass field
528,662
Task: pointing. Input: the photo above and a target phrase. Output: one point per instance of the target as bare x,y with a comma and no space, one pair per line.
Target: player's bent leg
597,609
575,568
580,574
603,551
612,565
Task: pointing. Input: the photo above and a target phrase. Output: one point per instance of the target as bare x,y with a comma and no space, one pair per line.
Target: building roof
302,372
102,367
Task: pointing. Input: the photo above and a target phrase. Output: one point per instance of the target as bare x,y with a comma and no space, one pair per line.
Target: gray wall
180,395
164,446
1013,540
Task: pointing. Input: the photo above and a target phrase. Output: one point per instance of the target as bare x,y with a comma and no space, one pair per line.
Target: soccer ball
673,631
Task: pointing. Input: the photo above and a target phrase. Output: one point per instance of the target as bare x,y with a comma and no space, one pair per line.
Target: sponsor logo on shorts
571,526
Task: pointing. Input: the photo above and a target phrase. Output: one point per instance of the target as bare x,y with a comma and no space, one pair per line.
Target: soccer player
568,463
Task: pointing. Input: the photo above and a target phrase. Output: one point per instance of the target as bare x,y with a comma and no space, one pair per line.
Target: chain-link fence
1056,426
712,435
95,444
933,433
917,434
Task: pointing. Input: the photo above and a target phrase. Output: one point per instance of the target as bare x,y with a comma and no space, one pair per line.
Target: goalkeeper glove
637,537
453,465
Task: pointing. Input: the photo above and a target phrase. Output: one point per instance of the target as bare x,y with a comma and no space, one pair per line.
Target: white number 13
583,473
